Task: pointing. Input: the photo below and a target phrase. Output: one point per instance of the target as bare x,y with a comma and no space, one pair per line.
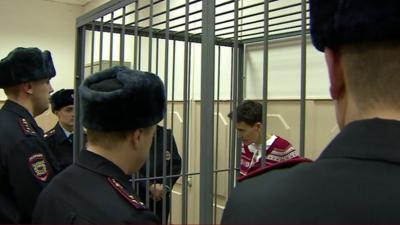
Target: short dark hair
249,112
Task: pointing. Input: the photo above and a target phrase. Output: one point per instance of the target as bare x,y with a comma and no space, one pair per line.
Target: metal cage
155,29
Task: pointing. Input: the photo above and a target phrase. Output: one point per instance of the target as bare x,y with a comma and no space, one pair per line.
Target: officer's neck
117,155
24,102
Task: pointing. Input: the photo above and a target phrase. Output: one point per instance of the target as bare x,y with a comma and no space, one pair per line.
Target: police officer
120,110
59,139
355,180
24,161
158,188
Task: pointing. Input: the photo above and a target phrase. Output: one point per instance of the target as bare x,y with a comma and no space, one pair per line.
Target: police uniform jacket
92,190
24,163
60,145
171,155
355,181
155,166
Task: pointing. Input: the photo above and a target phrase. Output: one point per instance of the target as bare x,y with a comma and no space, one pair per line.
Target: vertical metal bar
140,54
79,77
92,50
111,38
216,138
265,84
172,114
101,46
155,149
149,68
303,75
185,120
157,54
135,54
232,132
235,83
165,147
240,73
240,93
122,40
207,112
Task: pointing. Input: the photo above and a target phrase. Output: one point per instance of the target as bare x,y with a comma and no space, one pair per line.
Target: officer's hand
156,191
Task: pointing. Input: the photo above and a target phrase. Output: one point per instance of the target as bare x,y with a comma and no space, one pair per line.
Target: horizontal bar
100,11
133,11
259,33
194,21
179,175
159,14
272,37
259,27
239,18
156,34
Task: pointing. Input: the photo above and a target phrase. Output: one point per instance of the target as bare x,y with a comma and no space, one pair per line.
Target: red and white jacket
277,150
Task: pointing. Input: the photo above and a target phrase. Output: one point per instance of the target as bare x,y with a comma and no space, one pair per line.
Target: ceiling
73,2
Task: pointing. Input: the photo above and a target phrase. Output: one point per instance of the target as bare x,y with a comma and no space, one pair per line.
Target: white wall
284,71
43,24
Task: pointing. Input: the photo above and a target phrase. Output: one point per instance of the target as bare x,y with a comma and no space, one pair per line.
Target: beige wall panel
321,126
47,120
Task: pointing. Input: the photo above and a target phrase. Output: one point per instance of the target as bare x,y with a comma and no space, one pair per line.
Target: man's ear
336,73
28,87
258,126
136,136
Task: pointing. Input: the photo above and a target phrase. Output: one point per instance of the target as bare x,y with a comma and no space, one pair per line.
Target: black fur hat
336,22
62,98
119,99
25,64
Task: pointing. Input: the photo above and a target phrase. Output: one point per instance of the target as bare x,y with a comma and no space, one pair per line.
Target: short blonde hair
106,139
372,73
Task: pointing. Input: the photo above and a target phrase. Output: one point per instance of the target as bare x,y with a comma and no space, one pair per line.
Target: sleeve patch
38,166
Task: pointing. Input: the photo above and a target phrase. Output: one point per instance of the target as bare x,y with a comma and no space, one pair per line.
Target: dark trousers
157,206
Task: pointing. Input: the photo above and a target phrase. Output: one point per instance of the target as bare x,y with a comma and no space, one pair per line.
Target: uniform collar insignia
26,127
125,194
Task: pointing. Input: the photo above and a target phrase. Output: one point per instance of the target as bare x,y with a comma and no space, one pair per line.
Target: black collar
60,134
103,166
21,111
372,139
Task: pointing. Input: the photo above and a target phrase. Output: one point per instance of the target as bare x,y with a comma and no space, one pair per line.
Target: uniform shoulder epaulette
49,133
125,194
26,127
278,165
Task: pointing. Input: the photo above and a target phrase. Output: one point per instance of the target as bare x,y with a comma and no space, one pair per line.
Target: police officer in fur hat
24,156
356,178
59,139
121,108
